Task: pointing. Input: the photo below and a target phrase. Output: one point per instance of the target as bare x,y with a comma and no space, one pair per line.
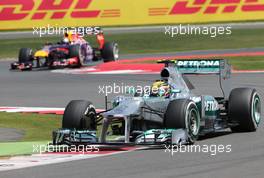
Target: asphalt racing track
44,88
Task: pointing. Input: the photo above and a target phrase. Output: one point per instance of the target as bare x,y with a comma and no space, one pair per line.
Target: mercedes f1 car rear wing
219,67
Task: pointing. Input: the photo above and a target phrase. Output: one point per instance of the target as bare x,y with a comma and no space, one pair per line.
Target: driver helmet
70,36
65,40
160,88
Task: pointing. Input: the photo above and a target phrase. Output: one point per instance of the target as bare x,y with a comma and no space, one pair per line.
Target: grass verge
18,148
37,129
152,42
247,62
35,126
238,63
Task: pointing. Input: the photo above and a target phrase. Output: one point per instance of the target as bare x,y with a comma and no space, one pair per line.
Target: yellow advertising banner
24,14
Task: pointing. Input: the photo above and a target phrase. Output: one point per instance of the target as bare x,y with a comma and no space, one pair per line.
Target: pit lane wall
25,14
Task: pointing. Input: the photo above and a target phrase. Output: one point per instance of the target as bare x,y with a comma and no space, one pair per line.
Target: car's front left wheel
25,55
79,115
76,51
183,114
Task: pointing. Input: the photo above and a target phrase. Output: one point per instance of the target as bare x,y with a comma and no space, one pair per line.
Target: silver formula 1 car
168,114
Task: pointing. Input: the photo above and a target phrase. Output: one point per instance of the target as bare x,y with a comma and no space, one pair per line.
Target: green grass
152,42
10,47
19,148
247,62
238,63
35,126
159,42
37,129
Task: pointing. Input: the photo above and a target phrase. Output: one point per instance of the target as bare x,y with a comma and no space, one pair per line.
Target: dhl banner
22,14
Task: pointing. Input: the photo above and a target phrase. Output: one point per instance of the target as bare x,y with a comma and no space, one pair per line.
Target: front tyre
80,115
244,107
75,51
183,114
25,55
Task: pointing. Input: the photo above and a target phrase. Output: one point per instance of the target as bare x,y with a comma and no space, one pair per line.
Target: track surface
47,89
56,90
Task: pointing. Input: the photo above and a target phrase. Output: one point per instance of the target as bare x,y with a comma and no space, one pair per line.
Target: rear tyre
244,107
75,51
25,55
110,52
184,114
80,115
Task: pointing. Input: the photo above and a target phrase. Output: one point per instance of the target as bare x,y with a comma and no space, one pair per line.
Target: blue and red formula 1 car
72,51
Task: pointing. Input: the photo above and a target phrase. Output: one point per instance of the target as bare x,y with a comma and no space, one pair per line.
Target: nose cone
41,53
126,108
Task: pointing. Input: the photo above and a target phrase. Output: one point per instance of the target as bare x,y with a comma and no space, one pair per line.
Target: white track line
28,109
10,109
19,162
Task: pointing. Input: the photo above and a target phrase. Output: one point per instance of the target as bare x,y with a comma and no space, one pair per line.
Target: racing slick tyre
25,55
184,114
244,107
75,51
80,115
110,52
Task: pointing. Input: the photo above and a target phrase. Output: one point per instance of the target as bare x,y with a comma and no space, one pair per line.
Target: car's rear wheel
80,115
184,114
76,51
110,52
25,55
244,107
